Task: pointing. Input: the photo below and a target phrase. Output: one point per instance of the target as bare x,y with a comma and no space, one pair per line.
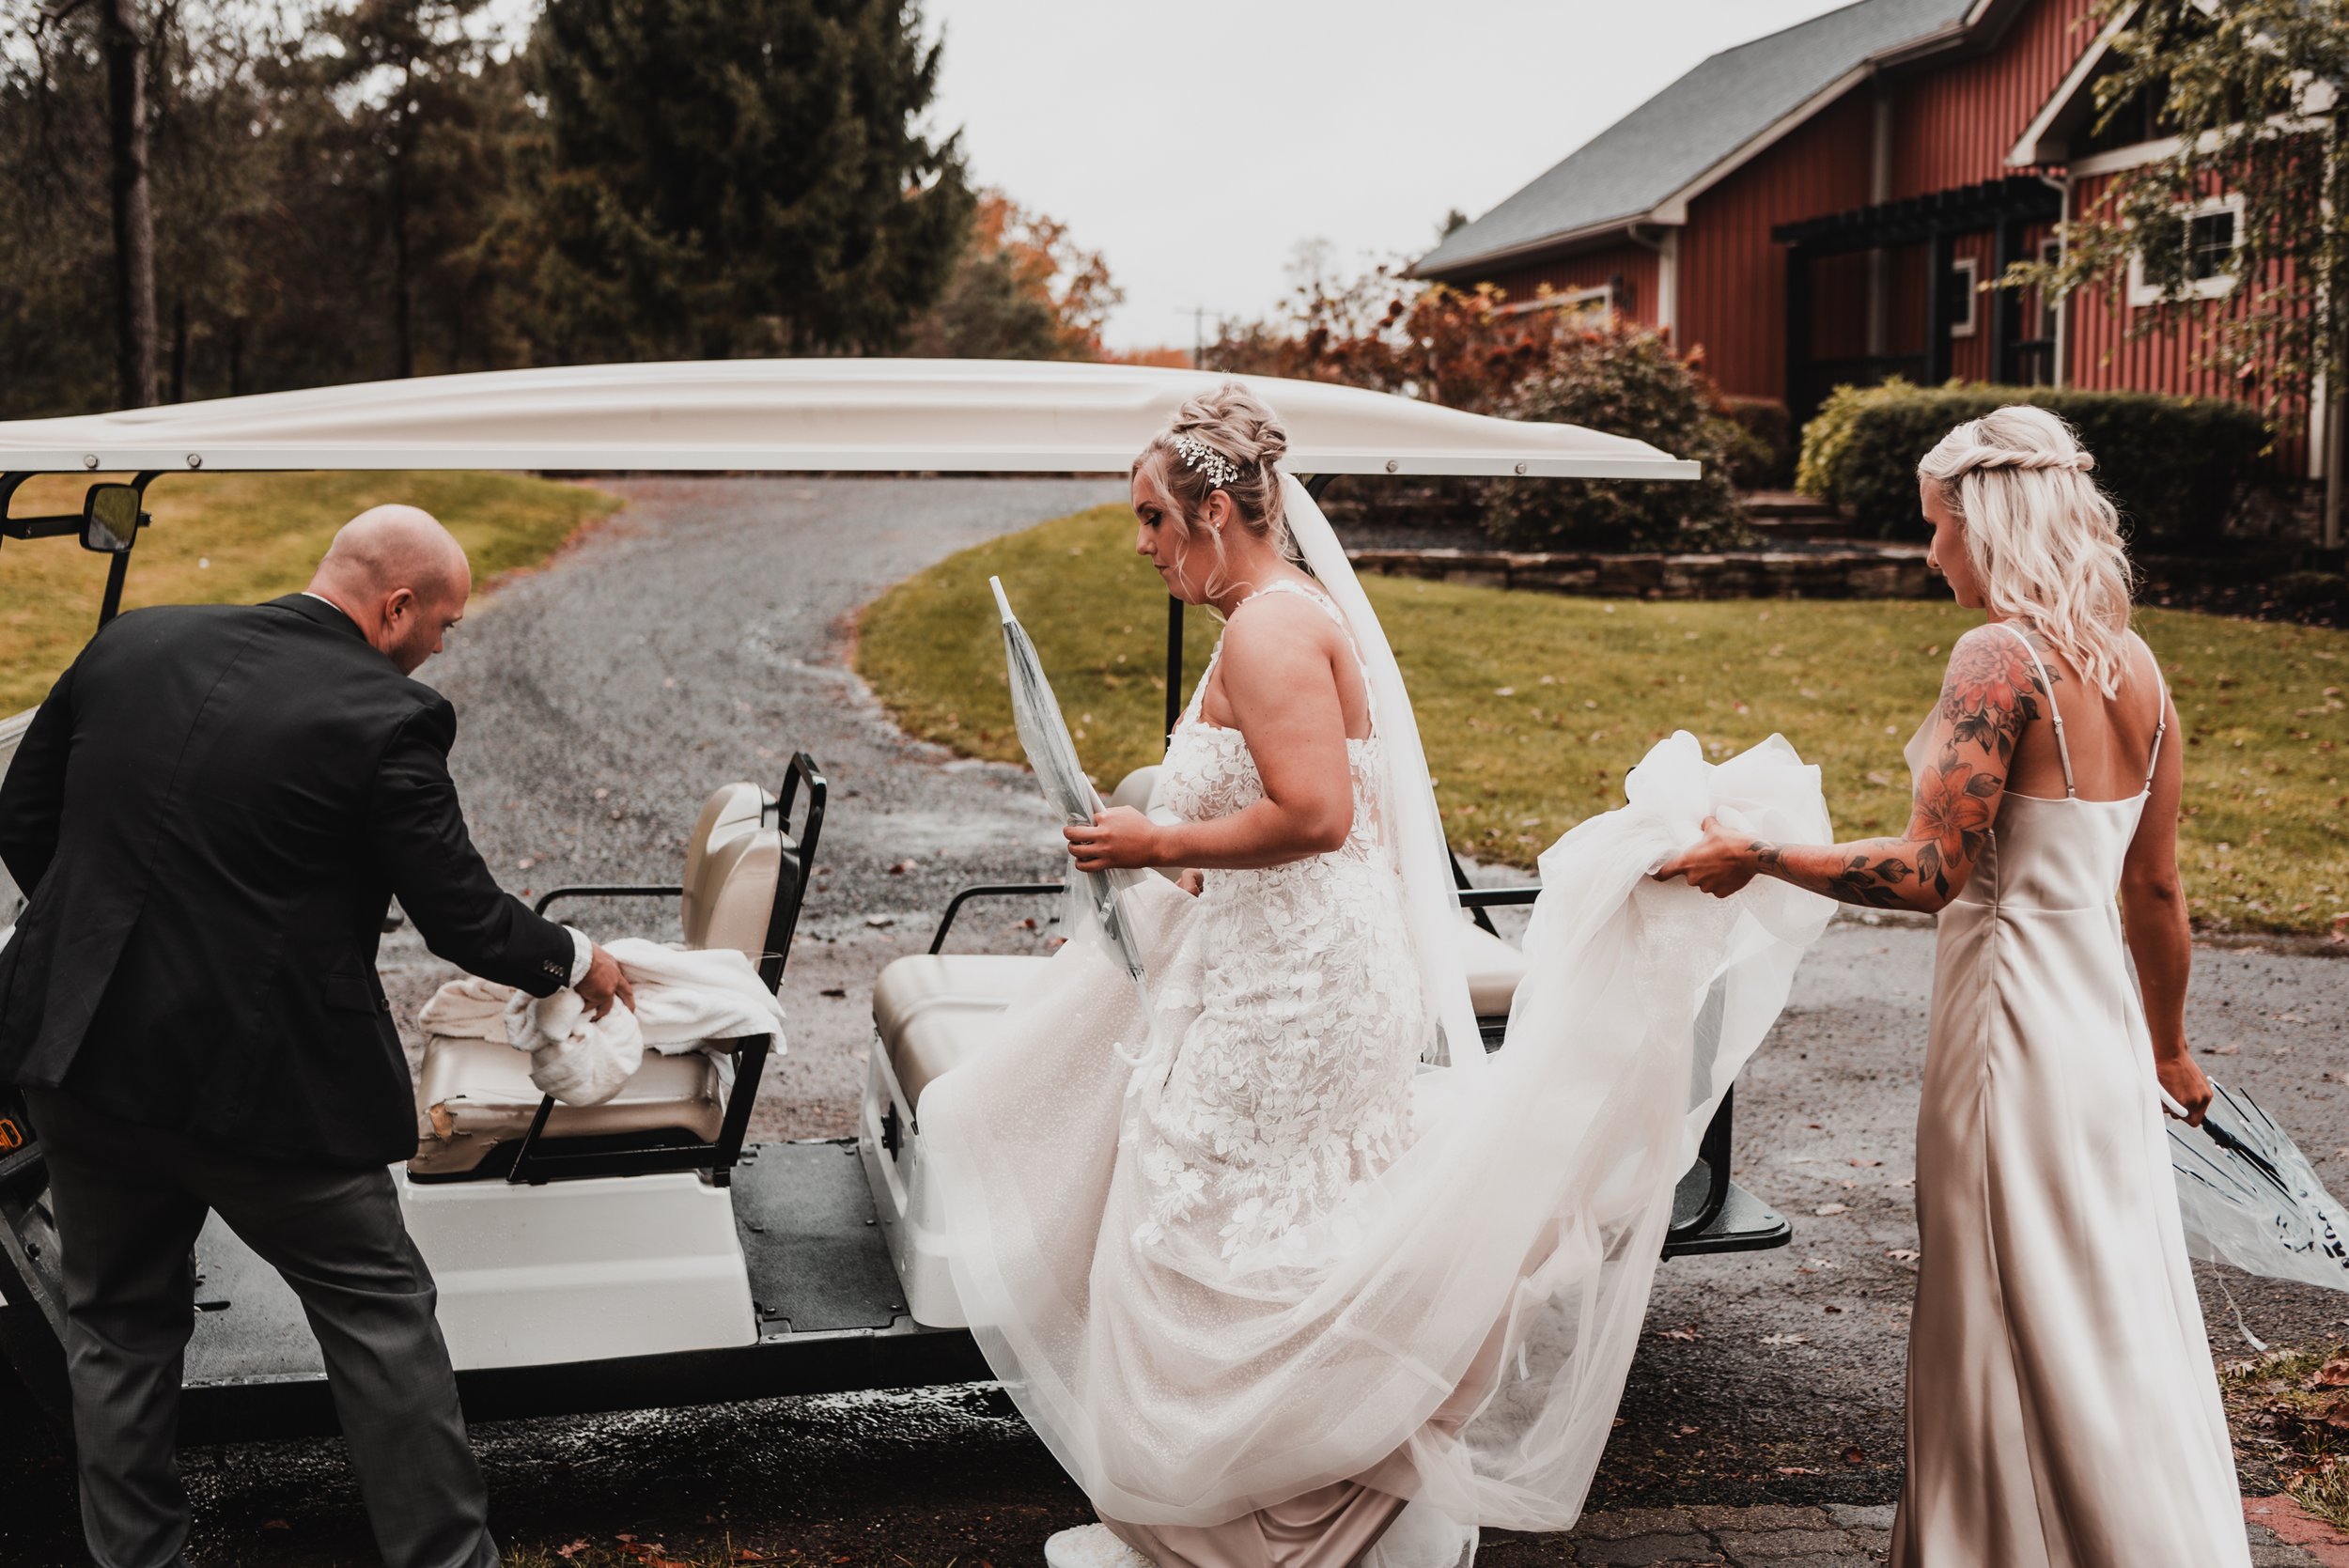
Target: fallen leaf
276,1524
566,1552
1832,1309
833,991
1687,1430
1798,1469
1828,1211
1785,1339
2333,1374
881,920
1903,1254
1684,1335
1855,1455
1865,1163
900,868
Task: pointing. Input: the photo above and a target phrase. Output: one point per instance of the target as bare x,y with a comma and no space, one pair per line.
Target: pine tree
741,177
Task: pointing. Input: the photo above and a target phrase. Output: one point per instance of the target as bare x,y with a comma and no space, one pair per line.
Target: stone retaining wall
1858,571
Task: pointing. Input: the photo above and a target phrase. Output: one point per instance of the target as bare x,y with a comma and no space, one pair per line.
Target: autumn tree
1022,289
732,176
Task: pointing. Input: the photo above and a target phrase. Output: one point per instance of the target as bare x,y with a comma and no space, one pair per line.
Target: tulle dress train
1275,1292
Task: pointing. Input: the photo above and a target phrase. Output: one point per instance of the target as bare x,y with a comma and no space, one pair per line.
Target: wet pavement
700,637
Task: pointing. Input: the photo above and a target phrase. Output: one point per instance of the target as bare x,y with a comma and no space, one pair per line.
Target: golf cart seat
933,1010
481,1116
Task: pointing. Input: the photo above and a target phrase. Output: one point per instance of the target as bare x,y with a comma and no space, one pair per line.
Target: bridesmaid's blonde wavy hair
2044,540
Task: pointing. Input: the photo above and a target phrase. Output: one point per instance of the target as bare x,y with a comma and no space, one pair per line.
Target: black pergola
2004,206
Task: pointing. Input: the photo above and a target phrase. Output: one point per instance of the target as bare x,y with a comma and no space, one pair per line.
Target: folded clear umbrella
1051,752
2249,1197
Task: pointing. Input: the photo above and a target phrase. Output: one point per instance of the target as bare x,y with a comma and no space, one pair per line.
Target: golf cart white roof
780,415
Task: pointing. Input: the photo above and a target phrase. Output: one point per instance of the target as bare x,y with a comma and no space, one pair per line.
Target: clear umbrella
1094,895
2249,1197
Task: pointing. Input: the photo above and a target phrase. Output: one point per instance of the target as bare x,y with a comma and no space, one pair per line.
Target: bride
1286,1272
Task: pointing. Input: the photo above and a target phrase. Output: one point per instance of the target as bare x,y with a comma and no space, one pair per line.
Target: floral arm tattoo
1992,689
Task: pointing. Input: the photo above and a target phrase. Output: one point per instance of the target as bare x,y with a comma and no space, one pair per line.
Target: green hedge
2178,468
1763,456
1628,382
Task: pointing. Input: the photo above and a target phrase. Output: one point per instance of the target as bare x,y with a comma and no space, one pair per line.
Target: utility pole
1198,315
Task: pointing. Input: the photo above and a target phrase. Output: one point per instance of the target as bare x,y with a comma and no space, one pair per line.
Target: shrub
2180,469
1628,382
1762,458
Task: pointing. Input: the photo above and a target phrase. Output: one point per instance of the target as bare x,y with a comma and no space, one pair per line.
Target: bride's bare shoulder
1276,631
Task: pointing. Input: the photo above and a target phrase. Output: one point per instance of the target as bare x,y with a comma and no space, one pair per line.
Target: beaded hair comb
1201,457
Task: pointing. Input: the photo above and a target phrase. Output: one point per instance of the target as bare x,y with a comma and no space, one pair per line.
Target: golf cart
643,1252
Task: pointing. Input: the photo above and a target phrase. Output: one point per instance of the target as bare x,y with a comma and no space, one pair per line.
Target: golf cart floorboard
831,1319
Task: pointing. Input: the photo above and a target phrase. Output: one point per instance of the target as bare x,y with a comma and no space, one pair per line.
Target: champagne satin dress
2062,1411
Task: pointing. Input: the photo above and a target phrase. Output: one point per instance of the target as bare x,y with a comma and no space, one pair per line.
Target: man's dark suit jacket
210,814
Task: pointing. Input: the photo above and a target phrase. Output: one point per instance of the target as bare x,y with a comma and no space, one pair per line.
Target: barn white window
1590,307
1964,285
2212,232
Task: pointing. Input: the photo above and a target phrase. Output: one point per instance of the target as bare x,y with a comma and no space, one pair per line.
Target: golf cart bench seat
744,879
932,1010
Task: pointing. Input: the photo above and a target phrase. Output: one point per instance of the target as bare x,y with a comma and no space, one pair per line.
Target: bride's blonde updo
2045,541
1223,440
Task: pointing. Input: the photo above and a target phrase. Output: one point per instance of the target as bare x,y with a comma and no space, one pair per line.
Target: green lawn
1532,706
242,538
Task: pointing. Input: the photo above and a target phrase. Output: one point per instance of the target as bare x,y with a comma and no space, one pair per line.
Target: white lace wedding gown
1277,1294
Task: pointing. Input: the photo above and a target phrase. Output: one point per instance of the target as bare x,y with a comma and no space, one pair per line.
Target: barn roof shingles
1703,117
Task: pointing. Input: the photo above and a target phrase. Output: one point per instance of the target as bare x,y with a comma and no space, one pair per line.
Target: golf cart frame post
824,1305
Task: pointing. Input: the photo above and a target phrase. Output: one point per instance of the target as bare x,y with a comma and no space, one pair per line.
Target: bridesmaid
2062,1411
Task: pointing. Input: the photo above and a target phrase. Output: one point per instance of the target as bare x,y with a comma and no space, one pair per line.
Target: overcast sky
1197,142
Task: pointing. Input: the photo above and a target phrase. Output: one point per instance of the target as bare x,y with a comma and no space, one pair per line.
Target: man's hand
604,984
1118,839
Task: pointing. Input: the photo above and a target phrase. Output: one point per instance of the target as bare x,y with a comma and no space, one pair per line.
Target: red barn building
1822,205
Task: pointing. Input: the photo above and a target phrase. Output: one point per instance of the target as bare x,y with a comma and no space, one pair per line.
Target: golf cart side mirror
110,519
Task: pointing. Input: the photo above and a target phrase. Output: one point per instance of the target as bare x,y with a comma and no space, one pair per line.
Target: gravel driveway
700,637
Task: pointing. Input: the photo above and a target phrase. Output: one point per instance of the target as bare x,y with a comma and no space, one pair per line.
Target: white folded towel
684,1001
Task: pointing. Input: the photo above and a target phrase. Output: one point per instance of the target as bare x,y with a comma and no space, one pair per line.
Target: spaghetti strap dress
2062,1409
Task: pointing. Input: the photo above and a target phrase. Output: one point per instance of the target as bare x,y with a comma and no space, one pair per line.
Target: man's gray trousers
128,1202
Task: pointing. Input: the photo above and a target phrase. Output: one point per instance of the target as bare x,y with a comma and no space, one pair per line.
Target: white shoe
1091,1546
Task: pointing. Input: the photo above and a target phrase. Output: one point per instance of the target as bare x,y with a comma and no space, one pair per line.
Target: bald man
209,816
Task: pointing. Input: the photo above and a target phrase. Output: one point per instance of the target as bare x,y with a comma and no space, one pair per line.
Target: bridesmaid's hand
1720,862
1192,882
1118,839
2186,1083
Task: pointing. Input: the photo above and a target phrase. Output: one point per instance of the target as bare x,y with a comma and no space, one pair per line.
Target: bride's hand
1720,863
1193,882
1119,839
